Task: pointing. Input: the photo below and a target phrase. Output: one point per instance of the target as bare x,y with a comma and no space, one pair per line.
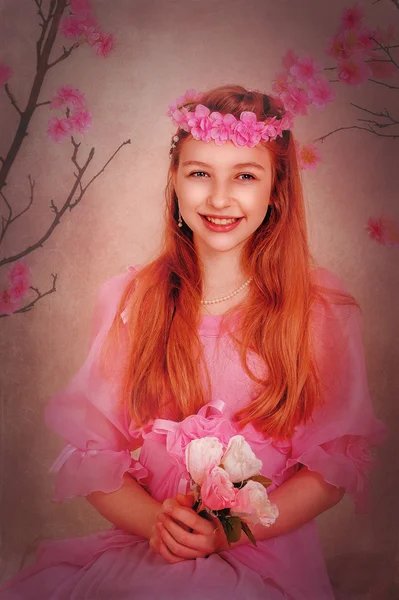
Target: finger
175,547
189,517
193,541
157,545
185,499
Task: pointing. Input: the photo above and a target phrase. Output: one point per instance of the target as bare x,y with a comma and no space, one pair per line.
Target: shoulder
326,278
110,293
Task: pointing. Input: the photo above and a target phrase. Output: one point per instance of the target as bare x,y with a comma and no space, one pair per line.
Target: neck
222,273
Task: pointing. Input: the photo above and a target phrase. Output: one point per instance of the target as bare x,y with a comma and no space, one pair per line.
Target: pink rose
253,506
239,460
202,455
217,490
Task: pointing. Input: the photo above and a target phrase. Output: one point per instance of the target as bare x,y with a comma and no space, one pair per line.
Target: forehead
225,156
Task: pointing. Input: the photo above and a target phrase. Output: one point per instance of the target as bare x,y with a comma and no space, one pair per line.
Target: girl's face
223,182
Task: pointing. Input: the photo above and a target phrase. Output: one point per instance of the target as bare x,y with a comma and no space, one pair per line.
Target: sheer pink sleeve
338,441
85,414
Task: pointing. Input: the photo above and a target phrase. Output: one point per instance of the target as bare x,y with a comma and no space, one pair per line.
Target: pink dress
100,441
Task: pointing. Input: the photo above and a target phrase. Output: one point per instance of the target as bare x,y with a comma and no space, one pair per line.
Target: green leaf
248,532
232,528
265,481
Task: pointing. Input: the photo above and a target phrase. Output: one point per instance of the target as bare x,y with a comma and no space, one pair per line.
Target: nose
219,195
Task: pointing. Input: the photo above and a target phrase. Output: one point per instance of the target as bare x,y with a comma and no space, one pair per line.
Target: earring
180,222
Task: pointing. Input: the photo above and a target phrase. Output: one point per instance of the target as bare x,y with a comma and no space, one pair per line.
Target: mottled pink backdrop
163,48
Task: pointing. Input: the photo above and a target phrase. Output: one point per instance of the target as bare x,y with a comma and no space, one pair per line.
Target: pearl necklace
229,295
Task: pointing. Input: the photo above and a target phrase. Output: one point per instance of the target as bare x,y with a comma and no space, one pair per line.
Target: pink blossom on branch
352,17
17,271
353,71
295,100
289,59
5,73
308,156
58,129
383,230
305,68
81,121
320,92
68,95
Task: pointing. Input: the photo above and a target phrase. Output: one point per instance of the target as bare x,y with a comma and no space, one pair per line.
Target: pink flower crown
206,126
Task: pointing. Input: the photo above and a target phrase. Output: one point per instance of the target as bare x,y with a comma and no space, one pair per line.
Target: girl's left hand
181,534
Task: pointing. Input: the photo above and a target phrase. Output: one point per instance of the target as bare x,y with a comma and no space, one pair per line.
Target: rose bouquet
227,485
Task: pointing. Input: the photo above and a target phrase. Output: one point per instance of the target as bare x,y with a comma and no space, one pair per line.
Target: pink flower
337,47
217,491
295,100
104,45
189,96
5,73
383,230
18,289
81,121
200,124
7,304
320,92
18,270
180,118
68,95
353,71
247,131
281,82
352,17
221,127
239,460
253,506
202,455
308,156
289,59
305,68
58,129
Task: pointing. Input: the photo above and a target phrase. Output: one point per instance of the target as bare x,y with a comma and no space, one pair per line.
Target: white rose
239,460
253,505
202,455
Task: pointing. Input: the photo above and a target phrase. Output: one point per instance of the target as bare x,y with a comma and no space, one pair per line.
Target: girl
232,329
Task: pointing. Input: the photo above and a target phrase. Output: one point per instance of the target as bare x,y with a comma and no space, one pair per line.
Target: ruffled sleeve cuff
82,472
344,462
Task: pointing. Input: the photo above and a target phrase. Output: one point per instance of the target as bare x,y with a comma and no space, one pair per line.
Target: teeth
221,221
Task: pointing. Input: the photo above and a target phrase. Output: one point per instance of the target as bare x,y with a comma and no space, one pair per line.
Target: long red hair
165,363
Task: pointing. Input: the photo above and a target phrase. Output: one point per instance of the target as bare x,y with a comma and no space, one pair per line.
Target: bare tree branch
392,87
369,129
7,222
31,304
69,203
12,100
55,13
64,55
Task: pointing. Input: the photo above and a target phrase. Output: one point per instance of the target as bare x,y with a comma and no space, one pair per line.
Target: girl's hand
181,534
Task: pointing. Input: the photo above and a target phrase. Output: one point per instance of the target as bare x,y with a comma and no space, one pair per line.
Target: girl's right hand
156,543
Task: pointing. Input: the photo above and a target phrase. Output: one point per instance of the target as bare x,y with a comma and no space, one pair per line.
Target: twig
12,100
64,55
386,50
385,115
392,87
7,222
31,304
68,204
55,13
369,129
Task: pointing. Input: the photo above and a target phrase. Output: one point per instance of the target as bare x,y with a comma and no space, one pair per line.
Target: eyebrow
237,166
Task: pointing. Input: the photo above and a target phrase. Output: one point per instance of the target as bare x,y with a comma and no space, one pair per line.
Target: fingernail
159,525
161,517
168,509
